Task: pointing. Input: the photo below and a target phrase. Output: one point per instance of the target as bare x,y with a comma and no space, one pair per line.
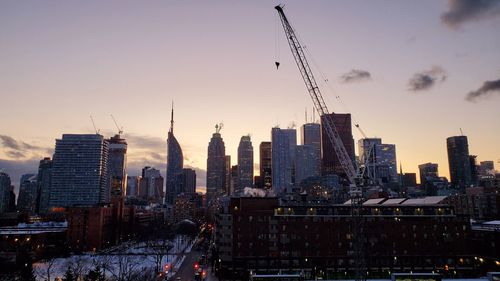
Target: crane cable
276,43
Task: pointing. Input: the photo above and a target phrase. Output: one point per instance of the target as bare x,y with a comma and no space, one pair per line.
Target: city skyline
121,63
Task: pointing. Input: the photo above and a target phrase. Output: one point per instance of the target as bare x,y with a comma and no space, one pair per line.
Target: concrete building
330,161
459,162
28,193
284,142
117,165
265,164
216,170
174,165
245,164
79,171
44,179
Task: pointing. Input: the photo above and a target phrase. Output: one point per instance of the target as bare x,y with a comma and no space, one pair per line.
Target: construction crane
93,124
120,129
354,177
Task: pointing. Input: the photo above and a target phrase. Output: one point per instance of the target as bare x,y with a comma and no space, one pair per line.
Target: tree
27,273
68,275
95,274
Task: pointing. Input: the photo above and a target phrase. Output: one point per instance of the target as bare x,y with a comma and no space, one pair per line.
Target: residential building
28,192
265,164
459,162
44,180
117,165
79,171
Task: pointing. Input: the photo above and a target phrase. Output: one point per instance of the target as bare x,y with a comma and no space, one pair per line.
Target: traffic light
196,266
166,267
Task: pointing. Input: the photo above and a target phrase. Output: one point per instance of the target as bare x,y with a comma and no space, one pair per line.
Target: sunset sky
415,63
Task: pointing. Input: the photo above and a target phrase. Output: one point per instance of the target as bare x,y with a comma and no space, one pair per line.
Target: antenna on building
218,127
461,133
314,116
306,114
93,124
120,129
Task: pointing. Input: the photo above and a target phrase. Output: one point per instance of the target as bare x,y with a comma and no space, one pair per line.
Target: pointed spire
172,119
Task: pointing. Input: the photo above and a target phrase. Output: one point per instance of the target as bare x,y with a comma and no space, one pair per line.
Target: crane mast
354,177
317,98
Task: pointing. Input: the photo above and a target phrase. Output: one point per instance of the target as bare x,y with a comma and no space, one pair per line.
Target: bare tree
159,249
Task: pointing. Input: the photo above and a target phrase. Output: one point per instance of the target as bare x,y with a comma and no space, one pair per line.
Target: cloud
461,11
426,79
17,149
146,142
15,154
355,75
487,89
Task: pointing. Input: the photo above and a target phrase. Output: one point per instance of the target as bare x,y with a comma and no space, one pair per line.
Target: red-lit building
400,235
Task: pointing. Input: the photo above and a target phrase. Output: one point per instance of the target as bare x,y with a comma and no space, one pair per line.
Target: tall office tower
234,178
43,180
151,185
175,160
283,142
79,171
474,170
428,171
26,201
216,170
311,135
133,183
245,164
265,165
486,168
228,189
4,192
409,180
380,159
330,161
188,181
306,163
117,165
459,162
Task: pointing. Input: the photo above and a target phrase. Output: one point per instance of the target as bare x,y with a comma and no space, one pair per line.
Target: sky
410,72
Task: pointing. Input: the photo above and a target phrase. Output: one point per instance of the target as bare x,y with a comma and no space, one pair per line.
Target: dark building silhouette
216,166
459,162
245,164
409,179
175,160
228,180
188,181
330,161
43,180
28,192
265,164
5,184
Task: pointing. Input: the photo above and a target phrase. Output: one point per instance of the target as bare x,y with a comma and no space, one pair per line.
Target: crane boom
317,98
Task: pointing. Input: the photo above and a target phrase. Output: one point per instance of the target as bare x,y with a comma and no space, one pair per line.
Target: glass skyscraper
245,163
79,171
284,142
458,159
175,164
216,170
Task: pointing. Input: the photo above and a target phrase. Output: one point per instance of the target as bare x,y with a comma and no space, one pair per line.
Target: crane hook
277,64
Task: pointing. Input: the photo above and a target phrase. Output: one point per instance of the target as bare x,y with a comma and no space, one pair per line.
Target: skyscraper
44,179
4,192
245,163
79,171
117,165
188,181
380,159
216,162
265,165
459,162
228,188
133,185
428,171
307,163
311,135
283,143
174,165
28,187
151,187
331,163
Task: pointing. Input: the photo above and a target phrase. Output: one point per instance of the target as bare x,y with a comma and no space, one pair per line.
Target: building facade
459,162
5,184
245,164
188,181
311,135
265,164
117,165
151,186
79,171
28,193
307,163
44,180
330,161
216,170
284,142
174,165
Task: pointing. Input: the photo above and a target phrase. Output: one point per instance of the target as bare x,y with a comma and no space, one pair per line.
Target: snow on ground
137,255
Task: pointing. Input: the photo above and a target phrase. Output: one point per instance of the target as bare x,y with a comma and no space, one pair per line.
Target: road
186,271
